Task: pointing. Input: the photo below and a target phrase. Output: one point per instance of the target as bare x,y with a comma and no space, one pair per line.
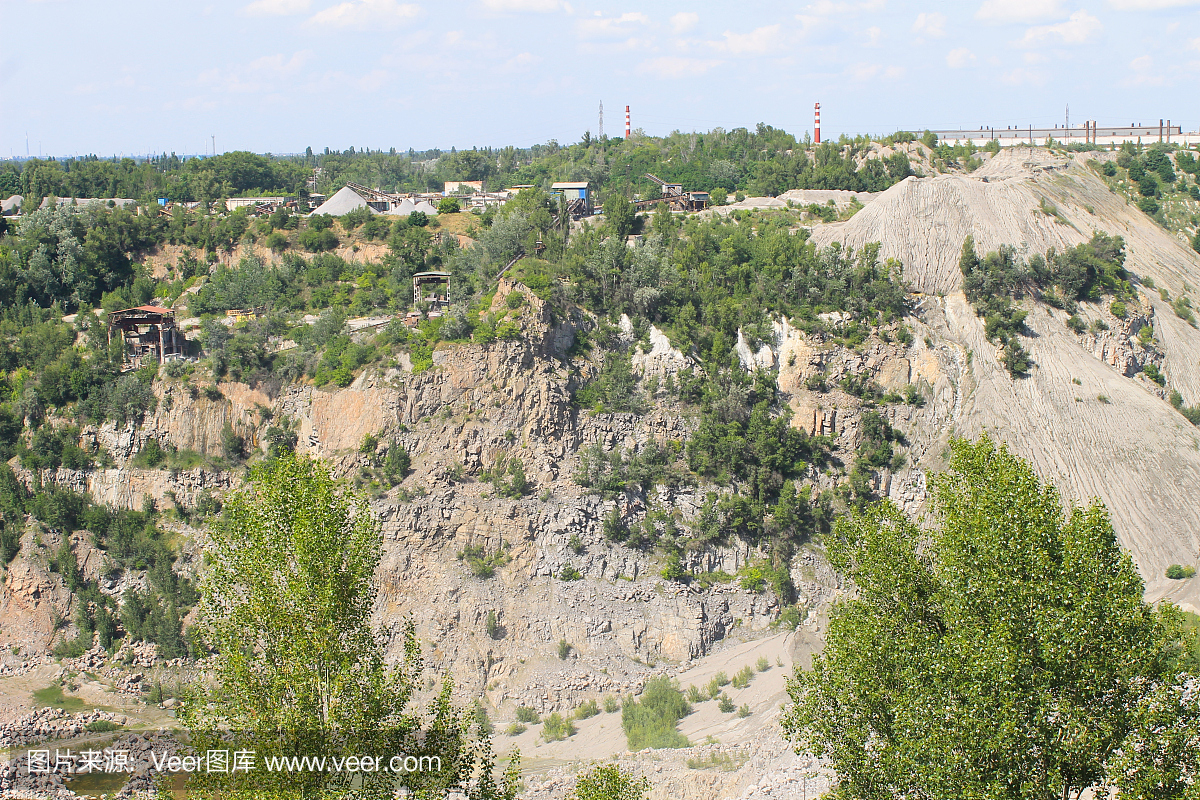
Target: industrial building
148,333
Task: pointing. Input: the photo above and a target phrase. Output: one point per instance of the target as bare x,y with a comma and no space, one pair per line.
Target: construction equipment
675,197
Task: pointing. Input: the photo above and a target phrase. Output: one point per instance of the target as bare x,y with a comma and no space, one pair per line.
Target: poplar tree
299,668
1001,654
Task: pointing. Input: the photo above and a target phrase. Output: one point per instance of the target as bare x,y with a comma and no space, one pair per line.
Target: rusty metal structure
148,333
432,288
675,197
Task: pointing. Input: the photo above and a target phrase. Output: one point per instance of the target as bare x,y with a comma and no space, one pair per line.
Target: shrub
556,728
318,241
516,729
694,695
1117,309
610,782
718,681
1182,307
650,721
611,705
492,625
1153,373
742,679
449,205
564,649
726,704
569,573
102,726
514,300
763,665
527,715
744,711
482,563
1177,572
1076,324
587,710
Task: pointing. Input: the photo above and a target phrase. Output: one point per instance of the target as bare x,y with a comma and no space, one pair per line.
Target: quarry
526,598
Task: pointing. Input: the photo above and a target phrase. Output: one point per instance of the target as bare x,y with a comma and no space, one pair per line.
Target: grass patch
52,697
98,784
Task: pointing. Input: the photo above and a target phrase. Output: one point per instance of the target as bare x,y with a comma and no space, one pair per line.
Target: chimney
817,123
627,128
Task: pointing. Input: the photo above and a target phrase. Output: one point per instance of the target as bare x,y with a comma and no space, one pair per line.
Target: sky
130,77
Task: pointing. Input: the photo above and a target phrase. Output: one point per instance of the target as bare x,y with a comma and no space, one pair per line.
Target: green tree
1160,760
610,782
1001,655
619,214
300,670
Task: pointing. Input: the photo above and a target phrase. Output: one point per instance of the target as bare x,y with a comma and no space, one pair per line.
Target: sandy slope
1136,453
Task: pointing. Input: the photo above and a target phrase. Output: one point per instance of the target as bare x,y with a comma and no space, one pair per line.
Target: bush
527,715
318,241
482,563
102,726
610,782
1076,324
763,665
611,705
1177,572
650,722
564,649
569,573
718,681
726,704
744,711
742,679
516,729
1153,373
1117,309
587,710
556,728
449,205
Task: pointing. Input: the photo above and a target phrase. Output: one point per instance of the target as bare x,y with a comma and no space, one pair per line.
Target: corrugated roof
570,185
147,309
343,202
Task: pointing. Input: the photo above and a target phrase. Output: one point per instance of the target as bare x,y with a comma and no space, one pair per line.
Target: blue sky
133,76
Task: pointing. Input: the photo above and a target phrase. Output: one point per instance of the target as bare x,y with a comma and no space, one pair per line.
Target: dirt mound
1086,424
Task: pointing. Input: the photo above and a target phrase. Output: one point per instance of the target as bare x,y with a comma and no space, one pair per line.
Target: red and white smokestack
627,128
817,124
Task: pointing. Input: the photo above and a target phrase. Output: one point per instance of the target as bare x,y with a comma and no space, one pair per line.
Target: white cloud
281,65
831,8
276,8
1150,5
1019,10
521,62
364,14
1021,77
1194,44
537,6
874,34
677,66
959,58
684,21
1144,73
932,25
1078,29
611,26
757,42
